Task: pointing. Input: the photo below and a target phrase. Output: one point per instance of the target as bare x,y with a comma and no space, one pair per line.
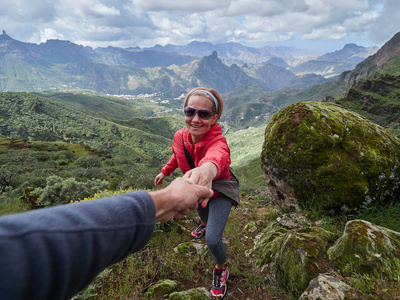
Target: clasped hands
185,193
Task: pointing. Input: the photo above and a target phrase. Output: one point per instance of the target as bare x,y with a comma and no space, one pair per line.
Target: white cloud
147,22
387,23
183,6
103,10
50,34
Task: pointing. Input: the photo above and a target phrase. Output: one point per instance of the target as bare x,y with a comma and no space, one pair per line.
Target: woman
209,150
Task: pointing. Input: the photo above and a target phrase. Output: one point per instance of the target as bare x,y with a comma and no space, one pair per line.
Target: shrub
61,191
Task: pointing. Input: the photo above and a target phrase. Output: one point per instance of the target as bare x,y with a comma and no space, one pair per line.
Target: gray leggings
216,215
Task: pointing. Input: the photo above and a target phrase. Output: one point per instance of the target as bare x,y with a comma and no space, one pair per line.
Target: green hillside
377,100
246,146
30,117
74,150
252,107
137,112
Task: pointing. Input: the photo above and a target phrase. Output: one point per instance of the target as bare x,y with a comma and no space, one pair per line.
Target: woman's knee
213,242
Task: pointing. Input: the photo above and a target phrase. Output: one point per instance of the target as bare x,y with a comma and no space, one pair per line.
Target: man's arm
53,253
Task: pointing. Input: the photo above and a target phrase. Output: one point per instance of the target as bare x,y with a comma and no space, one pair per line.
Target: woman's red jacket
211,148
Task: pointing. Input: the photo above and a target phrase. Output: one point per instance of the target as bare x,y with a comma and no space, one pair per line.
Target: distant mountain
237,53
334,63
385,60
299,61
62,65
375,87
371,89
139,58
277,61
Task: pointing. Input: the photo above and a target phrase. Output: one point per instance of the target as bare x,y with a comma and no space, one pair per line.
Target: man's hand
176,200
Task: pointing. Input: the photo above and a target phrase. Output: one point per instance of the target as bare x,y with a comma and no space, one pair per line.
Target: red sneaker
199,231
219,287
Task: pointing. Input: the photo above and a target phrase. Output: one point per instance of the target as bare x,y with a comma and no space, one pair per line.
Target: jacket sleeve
173,162
53,253
170,166
219,154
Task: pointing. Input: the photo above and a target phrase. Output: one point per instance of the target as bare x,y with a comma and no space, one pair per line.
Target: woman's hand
204,176
159,179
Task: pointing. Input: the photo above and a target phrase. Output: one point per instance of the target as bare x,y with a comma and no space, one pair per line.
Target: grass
159,260
370,287
13,207
131,277
386,216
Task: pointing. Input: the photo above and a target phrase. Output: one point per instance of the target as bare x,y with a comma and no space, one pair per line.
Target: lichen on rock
163,287
193,294
367,248
295,256
321,155
328,286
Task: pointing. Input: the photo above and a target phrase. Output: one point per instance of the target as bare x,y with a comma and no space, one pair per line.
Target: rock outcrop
319,155
313,263
293,256
366,248
328,286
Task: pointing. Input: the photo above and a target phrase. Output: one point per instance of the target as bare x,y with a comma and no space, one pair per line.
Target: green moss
186,247
269,243
293,254
162,287
367,248
326,152
193,294
296,264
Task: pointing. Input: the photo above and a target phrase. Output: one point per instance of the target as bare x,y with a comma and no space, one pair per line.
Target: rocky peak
4,37
372,66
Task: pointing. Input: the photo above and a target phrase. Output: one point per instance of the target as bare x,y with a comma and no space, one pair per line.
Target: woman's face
199,127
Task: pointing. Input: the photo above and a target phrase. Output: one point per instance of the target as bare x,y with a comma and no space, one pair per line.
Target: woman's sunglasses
203,114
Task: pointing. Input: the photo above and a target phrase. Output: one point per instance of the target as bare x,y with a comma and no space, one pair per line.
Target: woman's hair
200,91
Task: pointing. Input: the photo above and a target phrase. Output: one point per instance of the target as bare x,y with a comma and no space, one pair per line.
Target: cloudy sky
325,25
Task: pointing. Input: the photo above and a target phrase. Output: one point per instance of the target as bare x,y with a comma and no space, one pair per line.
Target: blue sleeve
53,253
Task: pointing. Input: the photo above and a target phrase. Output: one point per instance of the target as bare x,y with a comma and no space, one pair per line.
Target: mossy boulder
321,155
294,257
193,294
367,248
163,287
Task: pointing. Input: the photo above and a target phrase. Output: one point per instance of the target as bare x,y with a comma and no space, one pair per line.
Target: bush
9,194
61,191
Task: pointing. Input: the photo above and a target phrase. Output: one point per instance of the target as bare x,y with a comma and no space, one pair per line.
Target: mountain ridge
63,65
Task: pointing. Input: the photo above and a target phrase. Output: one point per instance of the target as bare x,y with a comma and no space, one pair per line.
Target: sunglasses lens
204,114
189,112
